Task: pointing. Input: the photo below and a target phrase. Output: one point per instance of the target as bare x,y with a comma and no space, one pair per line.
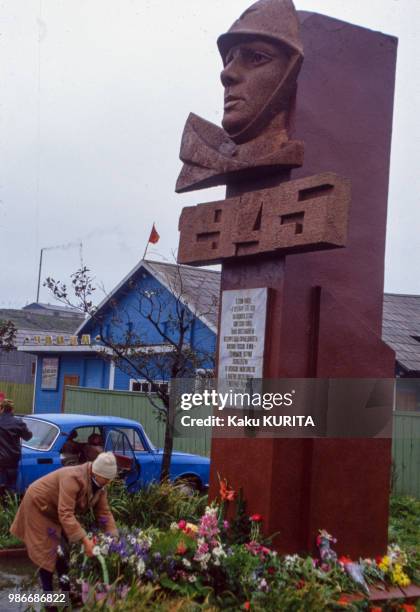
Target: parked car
60,440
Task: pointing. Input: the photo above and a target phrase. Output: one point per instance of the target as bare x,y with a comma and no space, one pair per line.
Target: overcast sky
95,94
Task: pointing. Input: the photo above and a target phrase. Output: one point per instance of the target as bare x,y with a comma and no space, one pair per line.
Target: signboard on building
242,336
48,340
49,374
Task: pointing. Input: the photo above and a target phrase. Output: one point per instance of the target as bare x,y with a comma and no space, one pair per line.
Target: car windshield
43,434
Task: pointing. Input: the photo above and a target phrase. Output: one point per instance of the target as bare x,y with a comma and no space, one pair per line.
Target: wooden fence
21,394
406,453
136,406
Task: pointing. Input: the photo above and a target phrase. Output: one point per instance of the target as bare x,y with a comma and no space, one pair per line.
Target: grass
404,528
8,508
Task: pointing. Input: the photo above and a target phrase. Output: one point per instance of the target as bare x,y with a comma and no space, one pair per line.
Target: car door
148,460
40,454
117,442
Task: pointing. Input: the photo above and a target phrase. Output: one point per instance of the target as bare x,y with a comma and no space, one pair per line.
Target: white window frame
143,381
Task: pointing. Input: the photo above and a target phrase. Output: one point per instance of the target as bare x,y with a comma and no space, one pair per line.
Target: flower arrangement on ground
207,561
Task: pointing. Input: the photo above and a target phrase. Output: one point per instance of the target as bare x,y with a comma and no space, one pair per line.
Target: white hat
105,465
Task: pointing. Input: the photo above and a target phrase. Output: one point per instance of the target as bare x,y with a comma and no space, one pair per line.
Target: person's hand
88,546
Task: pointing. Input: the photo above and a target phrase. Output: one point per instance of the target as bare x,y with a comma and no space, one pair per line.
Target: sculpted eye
259,57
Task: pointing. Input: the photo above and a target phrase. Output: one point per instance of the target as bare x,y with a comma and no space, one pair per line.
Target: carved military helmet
277,22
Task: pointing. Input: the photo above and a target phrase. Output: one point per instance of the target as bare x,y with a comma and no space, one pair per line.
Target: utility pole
39,275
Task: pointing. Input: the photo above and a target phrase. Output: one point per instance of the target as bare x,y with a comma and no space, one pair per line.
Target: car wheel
188,486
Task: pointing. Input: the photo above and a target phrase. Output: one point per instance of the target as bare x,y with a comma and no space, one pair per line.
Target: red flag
154,236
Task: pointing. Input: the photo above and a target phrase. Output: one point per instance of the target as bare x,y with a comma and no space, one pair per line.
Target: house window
143,386
204,379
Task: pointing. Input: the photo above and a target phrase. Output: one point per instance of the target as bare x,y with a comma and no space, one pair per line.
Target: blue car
60,440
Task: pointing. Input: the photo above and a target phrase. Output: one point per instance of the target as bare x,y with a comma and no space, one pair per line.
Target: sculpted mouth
231,102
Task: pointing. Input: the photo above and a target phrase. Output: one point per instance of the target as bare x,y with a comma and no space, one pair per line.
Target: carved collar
212,158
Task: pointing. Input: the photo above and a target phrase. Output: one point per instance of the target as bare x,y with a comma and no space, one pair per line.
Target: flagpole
147,243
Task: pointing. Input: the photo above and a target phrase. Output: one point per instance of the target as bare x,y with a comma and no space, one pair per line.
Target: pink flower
182,524
203,548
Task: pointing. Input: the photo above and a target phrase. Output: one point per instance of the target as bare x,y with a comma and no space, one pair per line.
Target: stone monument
311,232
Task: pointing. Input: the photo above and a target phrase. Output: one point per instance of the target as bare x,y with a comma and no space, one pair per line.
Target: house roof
53,309
401,326
29,322
197,288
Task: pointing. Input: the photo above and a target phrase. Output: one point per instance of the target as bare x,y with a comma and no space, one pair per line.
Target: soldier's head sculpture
262,55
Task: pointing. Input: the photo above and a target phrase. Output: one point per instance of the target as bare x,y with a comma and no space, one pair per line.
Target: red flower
181,549
256,518
182,524
247,605
225,493
408,608
344,560
344,600
271,570
300,584
375,609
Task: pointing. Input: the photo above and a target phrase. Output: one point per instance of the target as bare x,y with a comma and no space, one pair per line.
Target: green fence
406,443
406,453
21,394
131,405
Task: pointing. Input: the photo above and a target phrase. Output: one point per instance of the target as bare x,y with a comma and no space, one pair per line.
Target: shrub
157,505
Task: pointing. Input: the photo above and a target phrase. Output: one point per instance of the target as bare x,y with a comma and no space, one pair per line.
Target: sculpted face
252,73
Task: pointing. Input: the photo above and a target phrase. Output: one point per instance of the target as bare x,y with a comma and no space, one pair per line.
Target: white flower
210,511
96,551
291,560
141,566
204,559
105,549
60,552
186,563
218,552
174,527
192,578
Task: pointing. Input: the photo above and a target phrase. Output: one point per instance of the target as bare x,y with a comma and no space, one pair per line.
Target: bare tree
171,314
8,332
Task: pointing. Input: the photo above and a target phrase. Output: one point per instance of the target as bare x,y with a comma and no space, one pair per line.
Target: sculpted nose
229,75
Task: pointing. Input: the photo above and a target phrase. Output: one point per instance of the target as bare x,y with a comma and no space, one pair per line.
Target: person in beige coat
46,518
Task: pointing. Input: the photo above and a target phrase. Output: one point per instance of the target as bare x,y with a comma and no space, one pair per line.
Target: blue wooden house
143,311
